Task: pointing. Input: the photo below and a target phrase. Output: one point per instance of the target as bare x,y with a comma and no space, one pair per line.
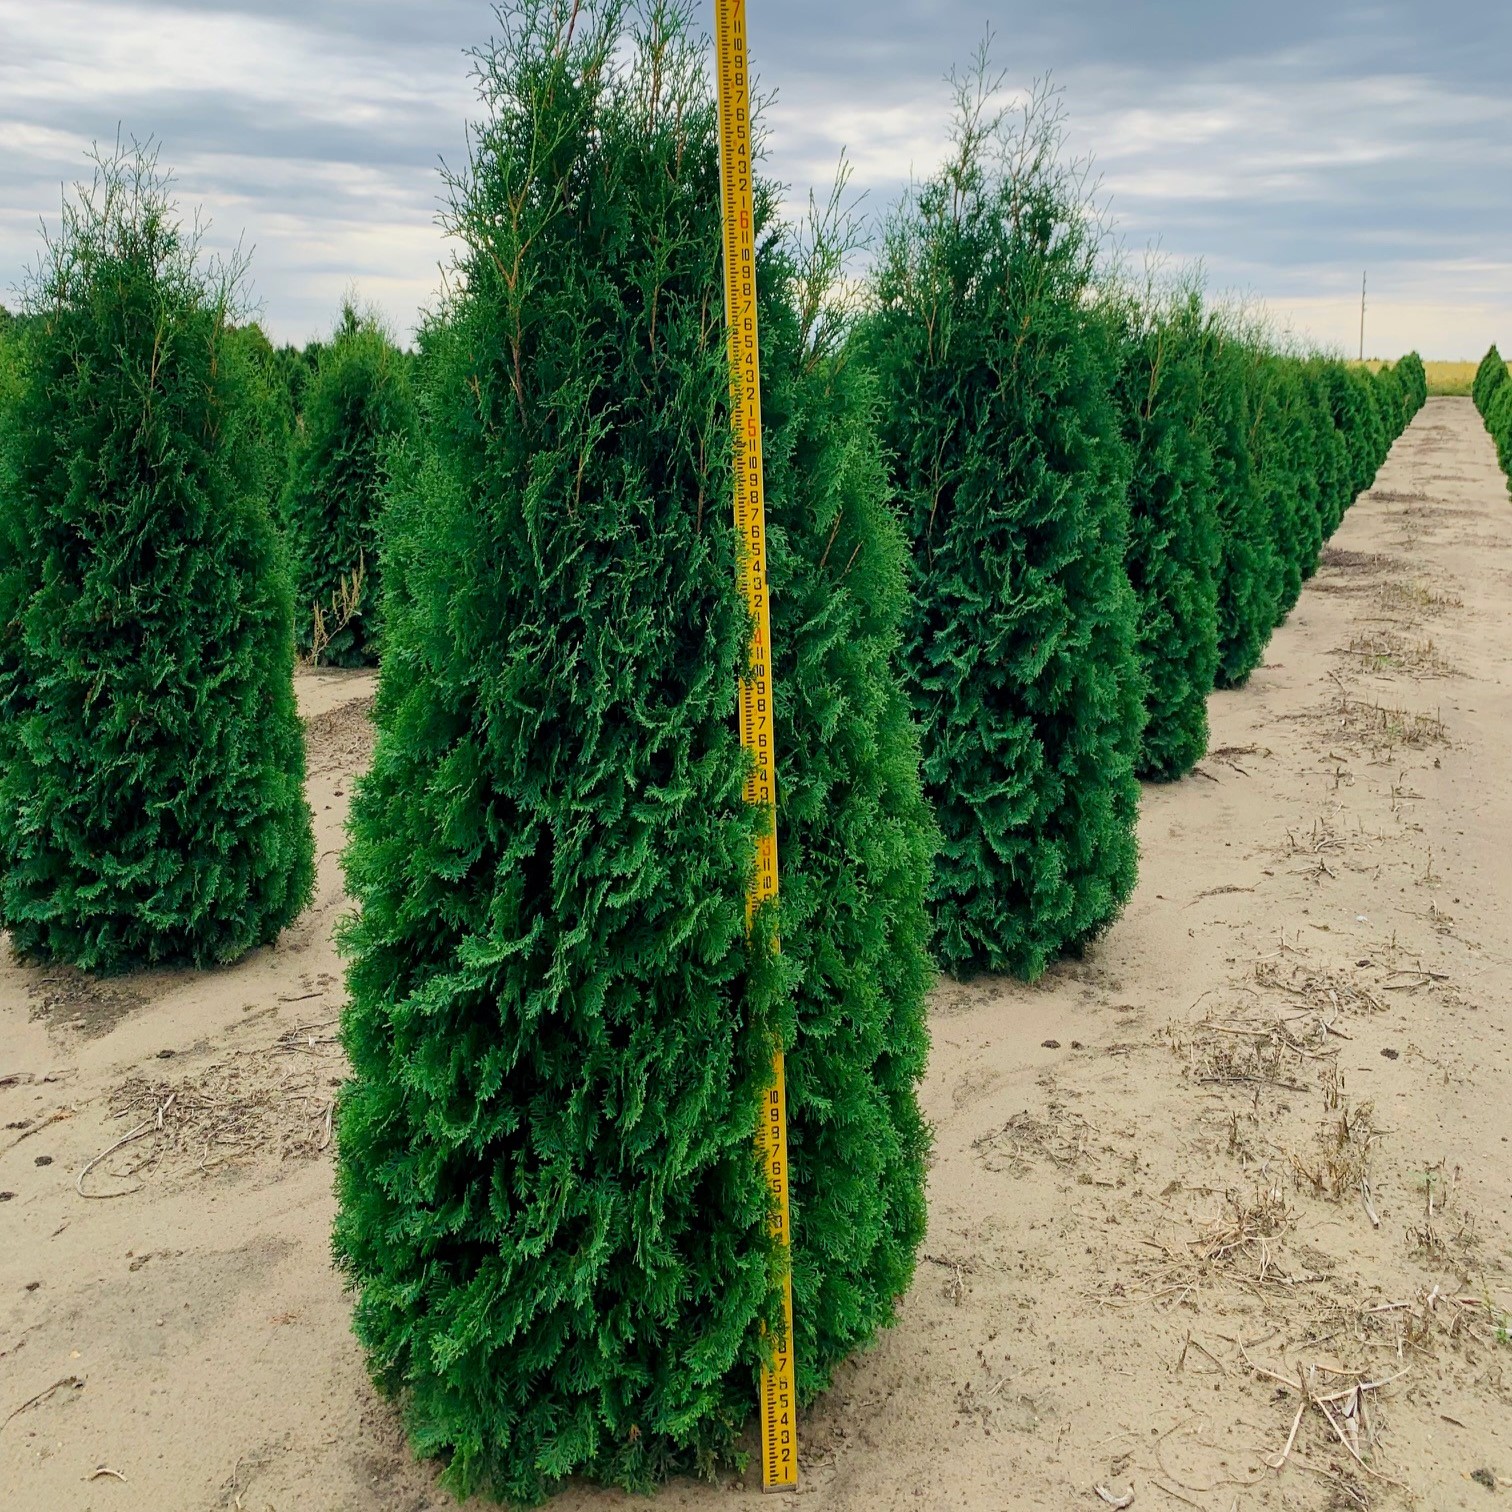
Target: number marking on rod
779,1395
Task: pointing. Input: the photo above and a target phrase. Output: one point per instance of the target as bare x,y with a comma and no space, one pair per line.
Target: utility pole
1362,317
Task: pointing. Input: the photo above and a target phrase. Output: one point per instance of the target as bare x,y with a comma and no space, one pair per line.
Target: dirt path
1262,1128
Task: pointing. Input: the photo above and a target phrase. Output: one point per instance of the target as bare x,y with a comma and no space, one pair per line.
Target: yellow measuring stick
779,1394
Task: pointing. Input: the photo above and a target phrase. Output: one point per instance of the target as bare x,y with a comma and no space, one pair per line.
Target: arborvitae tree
1353,418
357,406
151,757
1489,376
1248,564
1344,410
1499,423
270,414
1275,450
1393,400
296,367
1312,439
550,1205
1373,442
1330,450
8,358
1174,543
1387,399
997,383
858,839
1414,381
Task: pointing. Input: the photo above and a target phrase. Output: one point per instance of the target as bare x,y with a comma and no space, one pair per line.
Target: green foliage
1396,399
9,357
1414,380
356,407
1314,459
1335,491
997,378
1386,408
549,1202
151,757
1249,566
1489,377
1374,441
268,416
1354,418
1347,408
858,840
1174,543
1493,398
1276,403
1499,424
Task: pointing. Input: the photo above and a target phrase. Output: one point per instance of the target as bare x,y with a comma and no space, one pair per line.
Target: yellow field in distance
1443,377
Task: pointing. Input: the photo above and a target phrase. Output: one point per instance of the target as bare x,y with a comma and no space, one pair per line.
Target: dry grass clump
1061,1138
1341,560
1408,602
1324,993
1340,1165
1246,1229
1375,726
1351,722
1385,651
1257,1050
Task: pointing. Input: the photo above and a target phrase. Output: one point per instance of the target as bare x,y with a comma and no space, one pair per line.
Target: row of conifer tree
1021,524
1492,392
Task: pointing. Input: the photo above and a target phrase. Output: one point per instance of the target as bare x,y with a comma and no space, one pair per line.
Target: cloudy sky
1287,145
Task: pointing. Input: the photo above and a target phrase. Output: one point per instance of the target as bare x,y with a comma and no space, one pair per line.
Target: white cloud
1285,156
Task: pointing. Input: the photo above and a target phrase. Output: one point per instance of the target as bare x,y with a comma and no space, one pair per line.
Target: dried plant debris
253,1107
1341,1399
1247,1229
1256,1051
1337,559
1059,1137
1408,602
1244,1242
340,739
1339,1166
1327,993
1372,725
1239,757
1387,652
69,999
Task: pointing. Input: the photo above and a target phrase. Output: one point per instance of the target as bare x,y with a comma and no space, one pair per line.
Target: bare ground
1220,1214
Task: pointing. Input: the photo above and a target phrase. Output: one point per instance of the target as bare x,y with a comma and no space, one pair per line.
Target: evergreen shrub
1174,542
1414,377
269,423
1275,450
1392,401
1347,406
357,406
151,756
1248,567
1330,448
1489,376
1309,462
1355,422
1375,438
997,379
550,1207
1499,423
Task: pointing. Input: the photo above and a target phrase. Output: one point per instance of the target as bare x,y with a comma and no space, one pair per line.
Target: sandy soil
1258,1137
